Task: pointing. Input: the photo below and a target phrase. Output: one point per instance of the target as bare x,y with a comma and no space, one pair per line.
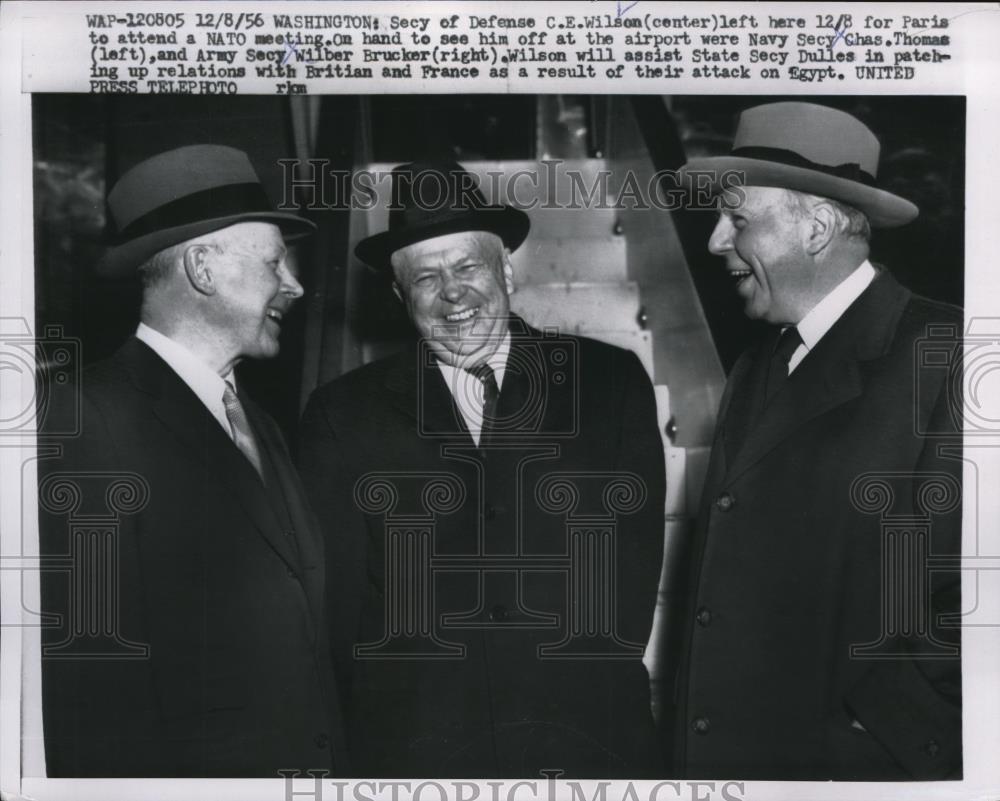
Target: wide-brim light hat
435,198
182,194
808,148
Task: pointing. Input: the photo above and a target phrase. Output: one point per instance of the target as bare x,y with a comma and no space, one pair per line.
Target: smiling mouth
458,317
274,314
739,276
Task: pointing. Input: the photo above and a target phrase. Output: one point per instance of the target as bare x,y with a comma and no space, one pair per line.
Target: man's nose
290,286
721,240
452,289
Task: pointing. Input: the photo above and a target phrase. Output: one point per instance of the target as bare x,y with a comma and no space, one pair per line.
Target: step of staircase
530,182
585,223
561,260
580,307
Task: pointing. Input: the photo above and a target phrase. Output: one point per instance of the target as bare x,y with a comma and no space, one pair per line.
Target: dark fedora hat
435,198
813,149
184,193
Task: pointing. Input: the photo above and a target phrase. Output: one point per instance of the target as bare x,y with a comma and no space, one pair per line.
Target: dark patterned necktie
491,394
777,373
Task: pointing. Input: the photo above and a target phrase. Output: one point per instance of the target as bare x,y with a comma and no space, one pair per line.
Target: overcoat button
498,613
704,617
725,502
701,725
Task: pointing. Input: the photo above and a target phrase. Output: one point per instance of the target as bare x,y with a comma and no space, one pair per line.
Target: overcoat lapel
184,415
740,407
418,390
308,545
538,392
830,375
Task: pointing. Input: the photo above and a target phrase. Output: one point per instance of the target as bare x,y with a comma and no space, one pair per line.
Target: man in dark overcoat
820,637
186,578
493,503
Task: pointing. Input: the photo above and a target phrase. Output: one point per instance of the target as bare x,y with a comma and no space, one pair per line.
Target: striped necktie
241,431
491,394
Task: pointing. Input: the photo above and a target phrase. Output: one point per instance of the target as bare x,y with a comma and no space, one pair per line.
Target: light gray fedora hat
808,148
182,194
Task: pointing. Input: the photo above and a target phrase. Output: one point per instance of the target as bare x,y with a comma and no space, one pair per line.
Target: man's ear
196,269
822,228
508,272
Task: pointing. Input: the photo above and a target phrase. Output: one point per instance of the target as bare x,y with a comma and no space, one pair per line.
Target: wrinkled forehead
443,251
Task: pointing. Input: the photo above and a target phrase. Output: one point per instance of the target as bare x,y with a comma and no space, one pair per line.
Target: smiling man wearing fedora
493,503
209,656
816,644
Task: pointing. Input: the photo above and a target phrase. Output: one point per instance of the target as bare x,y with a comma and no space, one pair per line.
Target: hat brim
883,209
120,261
510,224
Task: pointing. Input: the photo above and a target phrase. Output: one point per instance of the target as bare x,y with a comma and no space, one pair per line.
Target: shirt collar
820,319
207,384
497,361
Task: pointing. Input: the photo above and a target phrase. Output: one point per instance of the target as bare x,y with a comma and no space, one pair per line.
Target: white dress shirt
820,319
467,390
204,382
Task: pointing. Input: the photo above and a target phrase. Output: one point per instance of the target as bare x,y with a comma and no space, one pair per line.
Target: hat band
219,201
850,170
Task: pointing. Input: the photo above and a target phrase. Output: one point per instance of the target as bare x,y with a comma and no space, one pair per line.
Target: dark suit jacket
220,579
797,527
469,679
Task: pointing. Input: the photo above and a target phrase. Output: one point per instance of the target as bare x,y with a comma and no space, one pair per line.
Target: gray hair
851,222
156,269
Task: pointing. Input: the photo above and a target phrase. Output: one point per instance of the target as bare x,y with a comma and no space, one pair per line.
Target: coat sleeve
913,706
